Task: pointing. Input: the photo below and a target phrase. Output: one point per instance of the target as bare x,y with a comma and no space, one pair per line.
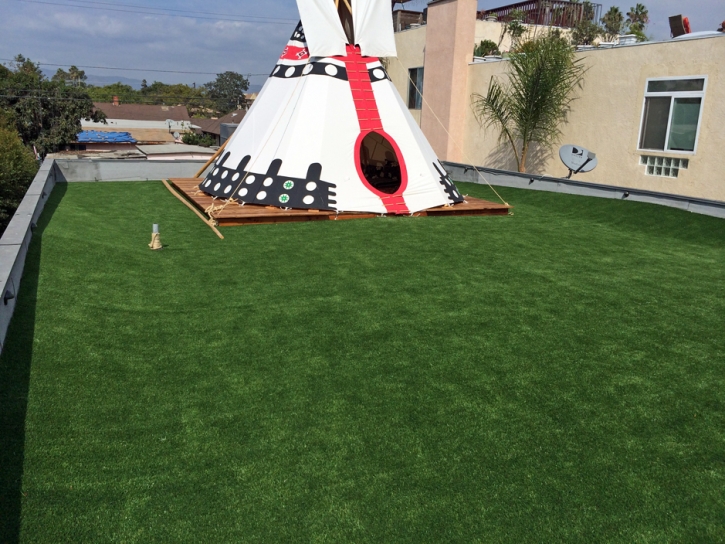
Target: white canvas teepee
329,130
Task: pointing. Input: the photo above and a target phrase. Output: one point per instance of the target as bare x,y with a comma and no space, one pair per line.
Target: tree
125,93
637,21
191,138
514,28
17,169
46,114
74,76
536,99
486,47
586,31
613,23
228,91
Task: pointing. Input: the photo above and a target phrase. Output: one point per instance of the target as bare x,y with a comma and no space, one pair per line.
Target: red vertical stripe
368,117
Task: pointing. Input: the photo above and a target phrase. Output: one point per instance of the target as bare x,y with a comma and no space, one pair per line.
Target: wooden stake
193,209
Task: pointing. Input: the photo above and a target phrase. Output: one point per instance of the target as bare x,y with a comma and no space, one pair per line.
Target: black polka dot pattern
445,180
270,188
285,71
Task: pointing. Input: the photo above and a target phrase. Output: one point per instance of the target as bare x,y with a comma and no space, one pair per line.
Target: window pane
675,85
419,99
683,128
415,100
654,124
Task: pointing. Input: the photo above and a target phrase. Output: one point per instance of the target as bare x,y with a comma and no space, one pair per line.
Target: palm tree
537,97
613,22
637,20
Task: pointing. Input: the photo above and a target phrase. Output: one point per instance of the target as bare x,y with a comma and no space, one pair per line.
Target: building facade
654,113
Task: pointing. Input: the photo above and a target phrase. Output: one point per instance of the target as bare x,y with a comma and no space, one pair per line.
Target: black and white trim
378,73
319,68
270,188
445,180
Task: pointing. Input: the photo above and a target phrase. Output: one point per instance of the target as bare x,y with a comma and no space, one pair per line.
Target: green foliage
486,47
637,21
47,114
204,140
227,91
17,168
73,76
537,97
612,23
514,27
587,30
125,93
212,99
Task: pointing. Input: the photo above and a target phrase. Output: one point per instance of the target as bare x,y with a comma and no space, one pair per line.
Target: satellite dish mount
577,159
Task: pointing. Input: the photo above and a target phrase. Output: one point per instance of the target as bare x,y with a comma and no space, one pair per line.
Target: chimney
116,101
449,45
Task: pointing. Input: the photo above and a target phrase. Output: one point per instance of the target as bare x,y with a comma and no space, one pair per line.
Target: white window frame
672,95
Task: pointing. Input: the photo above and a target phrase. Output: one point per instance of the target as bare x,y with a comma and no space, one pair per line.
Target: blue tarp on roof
98,137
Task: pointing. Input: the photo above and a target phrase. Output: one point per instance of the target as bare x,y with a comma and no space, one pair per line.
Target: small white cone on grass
155,238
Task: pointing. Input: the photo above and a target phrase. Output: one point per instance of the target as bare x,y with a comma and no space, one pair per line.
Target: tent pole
213,158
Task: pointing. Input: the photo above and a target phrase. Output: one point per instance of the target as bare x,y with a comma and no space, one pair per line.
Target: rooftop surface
557,372
171,149
213,126
143,112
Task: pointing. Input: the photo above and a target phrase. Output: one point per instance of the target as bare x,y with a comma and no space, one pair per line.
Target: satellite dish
577,159
176,135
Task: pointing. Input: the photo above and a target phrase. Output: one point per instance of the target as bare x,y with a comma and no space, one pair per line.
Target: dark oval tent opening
380,164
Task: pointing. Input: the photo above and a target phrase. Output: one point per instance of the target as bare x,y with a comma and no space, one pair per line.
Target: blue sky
243,35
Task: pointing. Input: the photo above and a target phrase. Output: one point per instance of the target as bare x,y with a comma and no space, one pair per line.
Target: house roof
213,126
104,137
143,112
174,149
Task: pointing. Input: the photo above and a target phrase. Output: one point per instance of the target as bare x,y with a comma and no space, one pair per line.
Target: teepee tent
329,130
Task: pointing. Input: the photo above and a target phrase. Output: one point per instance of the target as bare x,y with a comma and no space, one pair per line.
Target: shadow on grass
15,364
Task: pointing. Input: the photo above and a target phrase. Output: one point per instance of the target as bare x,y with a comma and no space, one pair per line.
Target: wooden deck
249,214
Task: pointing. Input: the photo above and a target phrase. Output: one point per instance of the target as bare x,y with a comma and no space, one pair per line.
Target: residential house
147,124
213,127
652,112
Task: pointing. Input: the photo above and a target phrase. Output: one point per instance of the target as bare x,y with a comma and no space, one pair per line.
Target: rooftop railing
546,13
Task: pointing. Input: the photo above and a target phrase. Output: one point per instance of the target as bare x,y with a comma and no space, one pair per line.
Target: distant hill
100,81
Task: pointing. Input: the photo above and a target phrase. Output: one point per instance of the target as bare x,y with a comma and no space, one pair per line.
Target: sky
245,36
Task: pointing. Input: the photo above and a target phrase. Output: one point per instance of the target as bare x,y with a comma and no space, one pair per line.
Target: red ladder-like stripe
368,115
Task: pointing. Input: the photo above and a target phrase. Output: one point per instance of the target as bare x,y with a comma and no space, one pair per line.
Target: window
671,114
665,167
415,96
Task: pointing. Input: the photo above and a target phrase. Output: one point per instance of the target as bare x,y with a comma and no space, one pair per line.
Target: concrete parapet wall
15,242
124,170
16,239
504,178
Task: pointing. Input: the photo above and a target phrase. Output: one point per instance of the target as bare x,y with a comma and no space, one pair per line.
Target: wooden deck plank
253,214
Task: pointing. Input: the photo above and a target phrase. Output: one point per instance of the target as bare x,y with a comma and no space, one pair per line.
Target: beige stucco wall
447,55
606,118
411,54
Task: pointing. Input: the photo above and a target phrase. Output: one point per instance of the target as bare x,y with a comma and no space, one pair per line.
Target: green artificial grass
555,375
